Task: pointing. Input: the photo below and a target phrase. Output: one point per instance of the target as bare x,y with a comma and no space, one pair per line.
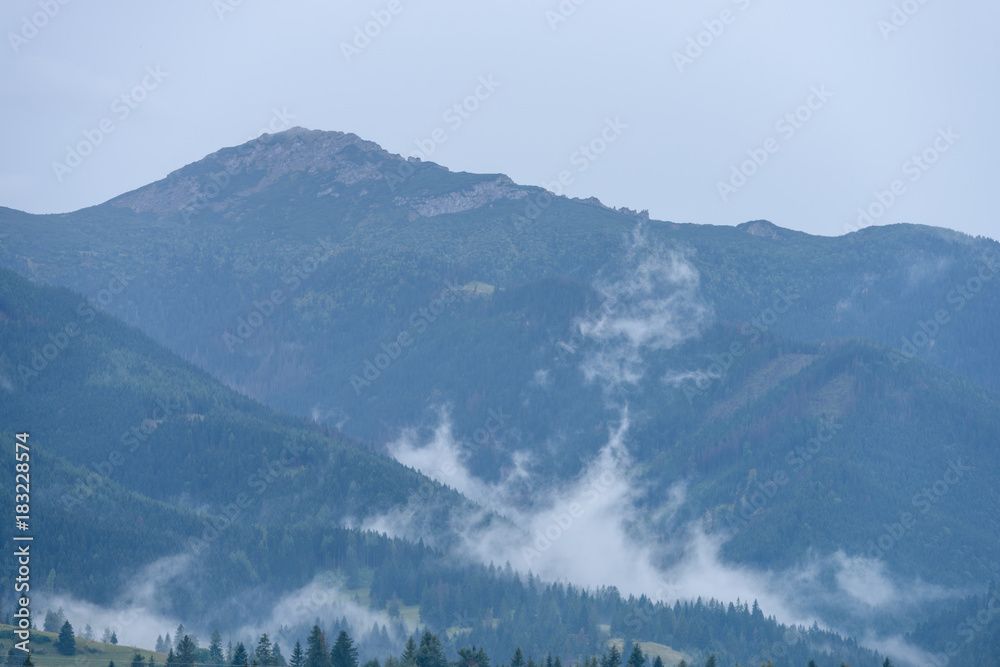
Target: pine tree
240,656
298,657
187,652
518,659
343,653
430,653
264,654
887,663
88,632
279,659
658,662
27,661
613,658
215,656
409,656
53,620
316,653
158,647
711,661
138,660
66,644
475,658
171,658
114,637
106,636
152,663
229,652
636,658
178,635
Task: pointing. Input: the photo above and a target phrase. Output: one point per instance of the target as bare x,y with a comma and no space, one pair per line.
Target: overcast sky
682,93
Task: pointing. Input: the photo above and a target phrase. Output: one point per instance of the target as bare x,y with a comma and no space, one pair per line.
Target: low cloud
654,305
134,616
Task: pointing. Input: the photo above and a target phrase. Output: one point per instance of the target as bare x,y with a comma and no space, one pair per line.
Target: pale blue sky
555,85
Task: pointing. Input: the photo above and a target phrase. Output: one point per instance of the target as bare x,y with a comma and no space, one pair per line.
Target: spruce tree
658,662
613,658
711,661
138,660
264,654
187,652
240,656
66,644
316,653
343,653
636,658
430,653
476,658
298,657
409,656
53,621
518,659
215,656
279,659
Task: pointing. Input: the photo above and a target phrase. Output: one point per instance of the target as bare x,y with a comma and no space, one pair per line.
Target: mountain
149,522
811,405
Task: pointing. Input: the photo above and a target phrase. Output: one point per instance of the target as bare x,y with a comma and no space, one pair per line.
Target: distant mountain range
801,399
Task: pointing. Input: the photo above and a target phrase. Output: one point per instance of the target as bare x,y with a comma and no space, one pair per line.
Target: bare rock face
222,181
762,228
478,195
232,174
